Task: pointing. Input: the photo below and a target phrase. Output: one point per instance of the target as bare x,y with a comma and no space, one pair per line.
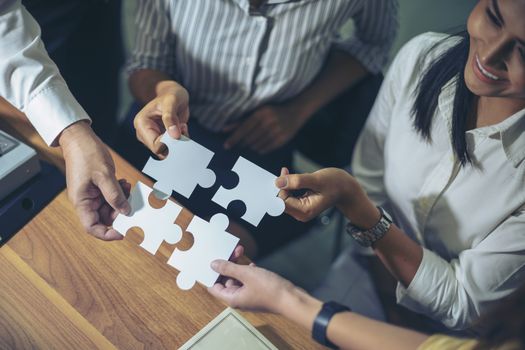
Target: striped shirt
233,59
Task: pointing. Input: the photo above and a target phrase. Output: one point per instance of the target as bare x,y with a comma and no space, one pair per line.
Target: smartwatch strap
324,316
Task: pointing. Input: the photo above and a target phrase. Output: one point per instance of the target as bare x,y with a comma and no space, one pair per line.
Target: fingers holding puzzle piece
188,160
256,189
210,239
185,167
158,225
211,242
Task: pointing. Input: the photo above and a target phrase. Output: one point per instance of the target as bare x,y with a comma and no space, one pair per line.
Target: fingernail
281,182
125,210
214,264
172,131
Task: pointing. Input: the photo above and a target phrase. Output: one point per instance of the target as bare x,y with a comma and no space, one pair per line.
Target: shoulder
418,53
425,48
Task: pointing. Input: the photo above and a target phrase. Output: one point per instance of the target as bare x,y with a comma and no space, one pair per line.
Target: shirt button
424,203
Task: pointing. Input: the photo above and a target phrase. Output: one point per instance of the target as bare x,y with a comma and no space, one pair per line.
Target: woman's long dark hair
449,65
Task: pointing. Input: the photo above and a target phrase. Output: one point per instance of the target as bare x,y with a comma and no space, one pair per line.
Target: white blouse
469,219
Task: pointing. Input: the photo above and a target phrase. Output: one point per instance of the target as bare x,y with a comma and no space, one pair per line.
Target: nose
496,52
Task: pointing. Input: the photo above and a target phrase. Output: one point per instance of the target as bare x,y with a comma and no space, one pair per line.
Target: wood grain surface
63,289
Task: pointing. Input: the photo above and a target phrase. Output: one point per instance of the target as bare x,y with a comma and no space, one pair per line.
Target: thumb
113,194
283,194
229,269
169,116
296,182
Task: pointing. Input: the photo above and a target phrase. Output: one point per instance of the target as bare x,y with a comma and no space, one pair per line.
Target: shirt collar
513,137
511,131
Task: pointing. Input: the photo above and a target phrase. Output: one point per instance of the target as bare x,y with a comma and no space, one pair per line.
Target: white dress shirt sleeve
375,30
29,79
458,292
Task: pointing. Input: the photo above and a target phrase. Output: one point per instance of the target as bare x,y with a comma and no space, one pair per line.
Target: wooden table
64,289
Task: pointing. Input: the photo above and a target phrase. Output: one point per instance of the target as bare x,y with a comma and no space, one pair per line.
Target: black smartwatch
329,309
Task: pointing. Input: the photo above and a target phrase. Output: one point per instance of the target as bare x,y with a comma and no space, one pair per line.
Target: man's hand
266,130
92,187
168,111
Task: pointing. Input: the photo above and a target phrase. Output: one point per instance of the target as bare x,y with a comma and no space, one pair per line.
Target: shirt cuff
134,64
433,293
53,109
420,291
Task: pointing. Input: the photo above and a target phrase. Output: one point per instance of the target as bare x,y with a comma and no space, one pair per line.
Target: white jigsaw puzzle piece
185,167
210,242
256,188
158,225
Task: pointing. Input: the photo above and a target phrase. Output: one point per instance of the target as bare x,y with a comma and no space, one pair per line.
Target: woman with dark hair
443,150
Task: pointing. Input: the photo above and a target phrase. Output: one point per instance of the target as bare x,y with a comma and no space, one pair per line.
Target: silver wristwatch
367,237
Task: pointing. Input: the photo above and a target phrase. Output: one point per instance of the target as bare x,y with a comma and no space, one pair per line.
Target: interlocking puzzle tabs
185,167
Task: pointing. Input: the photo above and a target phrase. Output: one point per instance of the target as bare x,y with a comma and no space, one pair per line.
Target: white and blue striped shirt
233,59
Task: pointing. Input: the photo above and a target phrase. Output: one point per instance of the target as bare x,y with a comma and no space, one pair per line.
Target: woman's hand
168,111
326,188
252,288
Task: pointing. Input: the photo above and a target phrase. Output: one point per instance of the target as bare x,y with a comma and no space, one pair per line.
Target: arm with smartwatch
454,292
369,225
331,324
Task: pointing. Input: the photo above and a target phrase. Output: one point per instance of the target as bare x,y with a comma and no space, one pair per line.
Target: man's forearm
339,73
146,84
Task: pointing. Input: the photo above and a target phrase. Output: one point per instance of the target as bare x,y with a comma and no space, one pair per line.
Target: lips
484,74
484,71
